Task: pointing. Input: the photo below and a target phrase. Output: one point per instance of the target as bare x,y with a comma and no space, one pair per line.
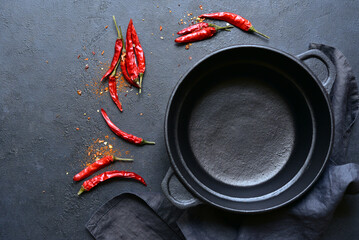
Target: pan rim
190,187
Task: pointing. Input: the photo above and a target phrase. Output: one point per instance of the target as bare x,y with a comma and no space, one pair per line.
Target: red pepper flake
106,27
88,118
102,52
160,28
93,53
200,7
190,58
86,59
78,56
87,66
187,46
79,92
77,129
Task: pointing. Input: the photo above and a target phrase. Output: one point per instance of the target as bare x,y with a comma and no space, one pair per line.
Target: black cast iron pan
248,129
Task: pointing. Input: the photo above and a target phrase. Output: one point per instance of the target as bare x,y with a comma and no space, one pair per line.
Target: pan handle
314,53
176,192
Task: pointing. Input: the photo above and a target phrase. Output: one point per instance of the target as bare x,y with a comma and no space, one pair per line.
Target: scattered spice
102,52
78,56
88,118
160,28
79,92
77,129
187,46
93,53
106,26
86,66
86,59
190,58
201,7
47,61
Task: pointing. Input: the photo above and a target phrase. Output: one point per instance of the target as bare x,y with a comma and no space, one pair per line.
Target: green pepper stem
118,31
147,142
252,29
219,27
114,70
122,159
123,40
141,76
82,189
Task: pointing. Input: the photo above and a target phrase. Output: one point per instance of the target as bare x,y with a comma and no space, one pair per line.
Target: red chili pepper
199,26
112,86
123,65
140,55
116,55
89,184
197,35
128,137
99,164
131,65
233,19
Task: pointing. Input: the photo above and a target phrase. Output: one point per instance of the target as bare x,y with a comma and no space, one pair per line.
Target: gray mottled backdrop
40,110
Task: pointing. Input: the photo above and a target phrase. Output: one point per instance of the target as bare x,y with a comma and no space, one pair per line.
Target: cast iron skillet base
248,129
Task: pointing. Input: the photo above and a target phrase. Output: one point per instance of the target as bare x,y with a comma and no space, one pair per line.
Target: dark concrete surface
40,148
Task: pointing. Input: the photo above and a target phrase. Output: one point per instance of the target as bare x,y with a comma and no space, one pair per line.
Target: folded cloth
152,216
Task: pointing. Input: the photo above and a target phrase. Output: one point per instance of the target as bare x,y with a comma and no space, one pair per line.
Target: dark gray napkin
152,216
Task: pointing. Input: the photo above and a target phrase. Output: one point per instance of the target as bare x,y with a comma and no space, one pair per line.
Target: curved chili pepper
123,64
112,87
140,55
91,183
233,19
131,65
199,26
197,35
116,55
99,164
128,137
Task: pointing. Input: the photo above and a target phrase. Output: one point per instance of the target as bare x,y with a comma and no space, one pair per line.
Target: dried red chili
91,183
233,19
123,64
128,137
99,164
131,65
199,26
197,35
140,55
116,55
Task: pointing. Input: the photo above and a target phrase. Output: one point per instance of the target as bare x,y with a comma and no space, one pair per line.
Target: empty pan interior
243,130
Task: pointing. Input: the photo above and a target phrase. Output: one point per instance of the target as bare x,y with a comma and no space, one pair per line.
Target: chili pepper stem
122,159
118,31
82,189
219,27
252,29
147,142
141,76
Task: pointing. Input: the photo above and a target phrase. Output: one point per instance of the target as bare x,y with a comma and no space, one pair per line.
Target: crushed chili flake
102,52
77,129
78,56
88,118
79,92
187,47
47,61
87,66
201,7
86,59
190,58
93,53
160,28
106,26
